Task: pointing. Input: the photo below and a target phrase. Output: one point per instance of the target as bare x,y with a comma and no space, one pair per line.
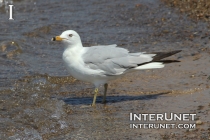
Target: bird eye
70,35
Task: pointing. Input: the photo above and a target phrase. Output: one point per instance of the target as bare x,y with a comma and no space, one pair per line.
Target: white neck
74,45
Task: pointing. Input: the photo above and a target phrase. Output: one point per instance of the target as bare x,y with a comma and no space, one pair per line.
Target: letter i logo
10,12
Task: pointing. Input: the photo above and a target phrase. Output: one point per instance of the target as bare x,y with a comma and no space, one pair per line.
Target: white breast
75,65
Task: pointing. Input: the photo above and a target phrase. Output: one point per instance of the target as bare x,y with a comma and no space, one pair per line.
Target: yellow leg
95,95
105,90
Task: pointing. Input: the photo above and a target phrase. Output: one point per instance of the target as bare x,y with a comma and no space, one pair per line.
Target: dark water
38,98
122,23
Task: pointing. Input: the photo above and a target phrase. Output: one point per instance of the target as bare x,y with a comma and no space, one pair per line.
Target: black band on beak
53,39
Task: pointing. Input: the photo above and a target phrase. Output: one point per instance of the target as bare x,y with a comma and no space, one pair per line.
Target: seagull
100,64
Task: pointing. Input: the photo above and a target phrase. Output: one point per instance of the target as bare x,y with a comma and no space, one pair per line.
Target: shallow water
39,100
129,26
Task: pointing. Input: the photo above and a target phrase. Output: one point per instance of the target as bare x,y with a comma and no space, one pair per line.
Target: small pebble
190,130
198,122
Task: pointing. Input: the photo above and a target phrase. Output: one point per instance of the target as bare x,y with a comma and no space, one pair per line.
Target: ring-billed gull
100,64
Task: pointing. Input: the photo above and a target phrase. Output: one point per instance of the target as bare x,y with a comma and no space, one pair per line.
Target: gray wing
113,60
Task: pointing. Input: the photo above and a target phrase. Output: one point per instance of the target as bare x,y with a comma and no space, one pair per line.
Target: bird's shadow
110,99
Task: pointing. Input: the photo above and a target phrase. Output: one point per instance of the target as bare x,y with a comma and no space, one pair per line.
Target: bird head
69,37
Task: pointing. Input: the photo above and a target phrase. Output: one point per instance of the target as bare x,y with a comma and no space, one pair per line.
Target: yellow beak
57,38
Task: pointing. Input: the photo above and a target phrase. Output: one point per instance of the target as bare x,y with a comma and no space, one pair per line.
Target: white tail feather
153,65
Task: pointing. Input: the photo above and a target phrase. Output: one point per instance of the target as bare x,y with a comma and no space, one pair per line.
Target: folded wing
113,60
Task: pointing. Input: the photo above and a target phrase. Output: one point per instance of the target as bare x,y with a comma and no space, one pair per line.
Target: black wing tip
168,61
177,51
162,55
172,52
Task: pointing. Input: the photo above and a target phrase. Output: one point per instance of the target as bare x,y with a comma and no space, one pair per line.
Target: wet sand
198,10
39,100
